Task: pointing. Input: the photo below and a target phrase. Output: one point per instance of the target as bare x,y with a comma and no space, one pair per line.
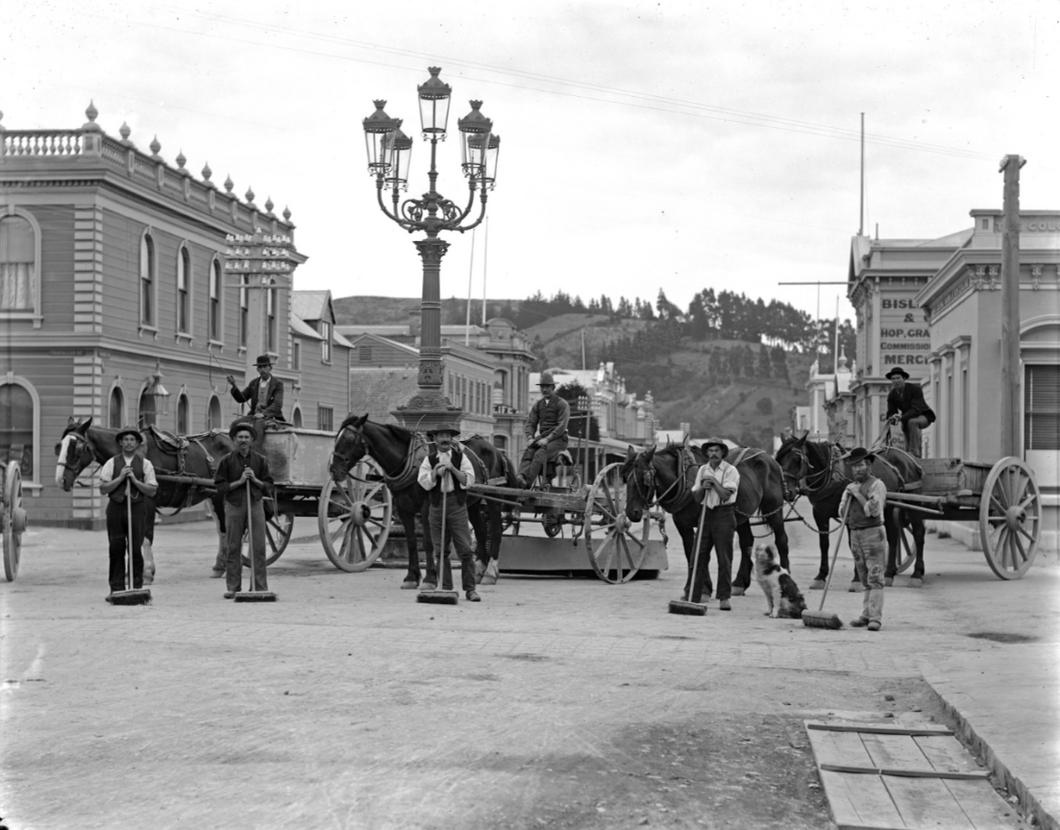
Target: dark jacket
274,406
231,468
909,401
550,417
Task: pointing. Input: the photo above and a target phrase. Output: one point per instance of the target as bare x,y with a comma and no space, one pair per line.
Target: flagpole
470,271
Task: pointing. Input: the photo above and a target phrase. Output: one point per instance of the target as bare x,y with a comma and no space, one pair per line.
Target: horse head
794,466
75,452
351,445
638,473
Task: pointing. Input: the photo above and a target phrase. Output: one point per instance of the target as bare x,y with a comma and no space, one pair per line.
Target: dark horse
82,444
665,477
399,453
811,467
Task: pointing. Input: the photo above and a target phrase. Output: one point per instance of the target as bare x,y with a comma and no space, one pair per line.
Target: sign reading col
904,339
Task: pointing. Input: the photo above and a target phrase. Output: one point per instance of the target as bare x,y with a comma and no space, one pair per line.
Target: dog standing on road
783,595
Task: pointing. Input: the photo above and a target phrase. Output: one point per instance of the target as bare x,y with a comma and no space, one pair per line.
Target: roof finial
229,184
250,196
2,127
155,147
181,161
125,132
287,214
91,114
206,173
269,206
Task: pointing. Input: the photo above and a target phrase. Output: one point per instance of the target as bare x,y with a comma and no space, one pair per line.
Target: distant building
112,272
829,416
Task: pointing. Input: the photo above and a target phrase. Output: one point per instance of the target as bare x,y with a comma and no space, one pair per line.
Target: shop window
116,415
17,434
215,300
1041,407
325,418
147,280
18,265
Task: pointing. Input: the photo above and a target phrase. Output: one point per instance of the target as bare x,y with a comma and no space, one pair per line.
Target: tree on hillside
578,398
716,365
666,309
764,363
624,308
780,362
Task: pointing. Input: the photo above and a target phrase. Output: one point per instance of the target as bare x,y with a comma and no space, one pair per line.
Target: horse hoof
409,585
817,585
916,582
888,581
738,592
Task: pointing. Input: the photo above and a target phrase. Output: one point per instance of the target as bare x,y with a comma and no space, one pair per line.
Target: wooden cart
1004,499
12,518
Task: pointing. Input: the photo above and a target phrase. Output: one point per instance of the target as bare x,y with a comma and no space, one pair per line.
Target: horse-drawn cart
1004,499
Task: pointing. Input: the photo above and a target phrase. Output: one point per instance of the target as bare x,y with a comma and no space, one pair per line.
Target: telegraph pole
1010,308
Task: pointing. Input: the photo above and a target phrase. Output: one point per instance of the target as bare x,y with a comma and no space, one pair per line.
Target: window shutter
1041,405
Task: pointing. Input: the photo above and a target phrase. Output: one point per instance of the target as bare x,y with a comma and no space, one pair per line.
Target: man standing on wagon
240,466
716,486
906,404
546,431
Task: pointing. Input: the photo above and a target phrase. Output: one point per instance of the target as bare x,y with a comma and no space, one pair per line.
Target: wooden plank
898,751
926,803
854,769
874,727
861,804
946,754
983,807
841,749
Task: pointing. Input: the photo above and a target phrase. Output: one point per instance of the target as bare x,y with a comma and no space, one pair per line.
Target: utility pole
1010,308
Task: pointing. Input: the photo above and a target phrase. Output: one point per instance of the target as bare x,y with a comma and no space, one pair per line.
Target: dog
783,595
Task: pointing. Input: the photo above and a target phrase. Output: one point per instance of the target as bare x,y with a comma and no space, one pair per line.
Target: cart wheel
616,550
354,517
906,546
278,530
1010,518
12,519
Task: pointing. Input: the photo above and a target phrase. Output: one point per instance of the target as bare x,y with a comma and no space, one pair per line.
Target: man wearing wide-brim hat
242,466
127,474
264,393
448,470
716,486
862,506
546,432
906,405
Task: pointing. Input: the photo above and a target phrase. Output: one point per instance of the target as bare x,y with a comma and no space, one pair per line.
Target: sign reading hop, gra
904,338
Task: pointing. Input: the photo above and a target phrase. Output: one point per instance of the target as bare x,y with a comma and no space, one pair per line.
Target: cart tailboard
299,456
948,475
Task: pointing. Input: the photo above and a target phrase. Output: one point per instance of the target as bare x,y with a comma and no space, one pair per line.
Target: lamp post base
427,409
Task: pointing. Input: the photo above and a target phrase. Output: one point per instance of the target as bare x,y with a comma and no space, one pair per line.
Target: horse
195,456
812,468
399,453
665,477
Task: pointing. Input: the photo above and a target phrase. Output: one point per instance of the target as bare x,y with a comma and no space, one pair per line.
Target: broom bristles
438,597
694,609
255,596
819,619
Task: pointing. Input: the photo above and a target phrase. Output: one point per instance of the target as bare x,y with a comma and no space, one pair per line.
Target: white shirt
427,479
726,475
108,473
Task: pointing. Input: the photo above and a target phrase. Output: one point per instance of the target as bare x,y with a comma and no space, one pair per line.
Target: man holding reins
546,431
906,405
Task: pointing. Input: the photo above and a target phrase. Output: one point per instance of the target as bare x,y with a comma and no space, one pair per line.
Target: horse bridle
649,482
347,461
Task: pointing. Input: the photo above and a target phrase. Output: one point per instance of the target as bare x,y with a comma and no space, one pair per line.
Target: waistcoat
458,491
118,494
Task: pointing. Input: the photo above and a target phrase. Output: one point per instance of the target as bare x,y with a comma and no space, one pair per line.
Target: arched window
183,418
116,414
296,417
183,290
244,313
147,415
147,280
215,300
270,320
18,418
213,413
18,265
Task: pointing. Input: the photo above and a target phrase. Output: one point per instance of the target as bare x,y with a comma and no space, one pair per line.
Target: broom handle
441,540
250,540
695,556
835,555
129,536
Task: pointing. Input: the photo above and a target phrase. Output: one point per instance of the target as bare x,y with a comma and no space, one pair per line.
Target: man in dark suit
264,393
906,404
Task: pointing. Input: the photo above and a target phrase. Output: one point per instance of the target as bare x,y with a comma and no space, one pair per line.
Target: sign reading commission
904,339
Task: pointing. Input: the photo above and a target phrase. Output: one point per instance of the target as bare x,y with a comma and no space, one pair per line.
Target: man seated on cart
906,405
546,431
265,396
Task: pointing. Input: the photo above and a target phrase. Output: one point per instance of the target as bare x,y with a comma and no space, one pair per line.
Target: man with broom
240,466
862,504
128,472
717,483
445,474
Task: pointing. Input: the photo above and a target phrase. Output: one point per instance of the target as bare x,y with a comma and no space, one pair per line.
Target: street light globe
377,127
434,96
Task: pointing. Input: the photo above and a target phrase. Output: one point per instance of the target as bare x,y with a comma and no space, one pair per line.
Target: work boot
724,605
860,622
472,596
230,594
874,625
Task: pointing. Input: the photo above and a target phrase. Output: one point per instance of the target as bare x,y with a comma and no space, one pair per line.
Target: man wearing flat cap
447,470
716,486
862,506
264,394
236,470
906,405
546,432
127,475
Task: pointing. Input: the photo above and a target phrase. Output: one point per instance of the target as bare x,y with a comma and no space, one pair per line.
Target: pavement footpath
347,704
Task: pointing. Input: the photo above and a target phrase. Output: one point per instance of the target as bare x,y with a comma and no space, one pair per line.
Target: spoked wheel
12,519
354,517
278,530
906,547
616,548
1010,518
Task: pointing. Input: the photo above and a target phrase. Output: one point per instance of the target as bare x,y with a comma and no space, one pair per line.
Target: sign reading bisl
904,339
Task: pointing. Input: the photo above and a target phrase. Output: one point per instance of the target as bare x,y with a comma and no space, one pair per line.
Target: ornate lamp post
389,150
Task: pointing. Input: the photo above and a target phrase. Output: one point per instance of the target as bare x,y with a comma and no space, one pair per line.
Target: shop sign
904,336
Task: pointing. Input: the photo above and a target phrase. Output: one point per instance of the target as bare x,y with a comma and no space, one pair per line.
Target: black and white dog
780,589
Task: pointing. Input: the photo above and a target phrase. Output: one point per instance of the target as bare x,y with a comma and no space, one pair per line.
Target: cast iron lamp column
389,150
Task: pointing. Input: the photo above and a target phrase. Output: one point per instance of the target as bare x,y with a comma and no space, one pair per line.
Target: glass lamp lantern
377,127
434,96
475,131
493,151
156,390
398,154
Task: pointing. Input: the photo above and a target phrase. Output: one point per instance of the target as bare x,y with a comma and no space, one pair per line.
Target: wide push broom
818,618
253,595
435,596
131,595
681,606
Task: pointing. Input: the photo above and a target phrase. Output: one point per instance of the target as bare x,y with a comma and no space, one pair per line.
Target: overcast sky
645,145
